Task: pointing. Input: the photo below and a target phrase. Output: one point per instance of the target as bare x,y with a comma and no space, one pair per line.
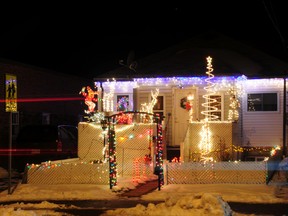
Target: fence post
165,172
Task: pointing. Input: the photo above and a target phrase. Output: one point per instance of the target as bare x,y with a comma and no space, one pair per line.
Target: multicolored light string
112,147
159,154
112,154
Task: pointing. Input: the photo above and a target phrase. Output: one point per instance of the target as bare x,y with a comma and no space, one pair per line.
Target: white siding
263,128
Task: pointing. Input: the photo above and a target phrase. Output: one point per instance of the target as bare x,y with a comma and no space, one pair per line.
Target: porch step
142,189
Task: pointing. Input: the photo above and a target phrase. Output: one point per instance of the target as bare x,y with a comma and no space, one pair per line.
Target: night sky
86,39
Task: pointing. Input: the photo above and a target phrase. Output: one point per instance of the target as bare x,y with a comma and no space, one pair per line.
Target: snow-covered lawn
183,198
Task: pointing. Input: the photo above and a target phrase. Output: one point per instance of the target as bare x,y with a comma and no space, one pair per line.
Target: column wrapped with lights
233,114
112,154
159,149
108,97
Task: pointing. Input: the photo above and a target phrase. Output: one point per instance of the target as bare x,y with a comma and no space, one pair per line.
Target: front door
182,106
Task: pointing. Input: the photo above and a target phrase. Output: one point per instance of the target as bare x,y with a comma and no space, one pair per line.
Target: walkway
141,189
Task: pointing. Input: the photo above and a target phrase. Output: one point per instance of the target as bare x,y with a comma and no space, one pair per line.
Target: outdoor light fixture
190,97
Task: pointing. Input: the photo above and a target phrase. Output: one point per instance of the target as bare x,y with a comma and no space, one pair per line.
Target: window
216,103
159,106
122,103
160,103
262,102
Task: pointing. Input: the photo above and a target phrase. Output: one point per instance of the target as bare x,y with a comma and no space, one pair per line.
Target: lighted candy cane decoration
208,108
108,97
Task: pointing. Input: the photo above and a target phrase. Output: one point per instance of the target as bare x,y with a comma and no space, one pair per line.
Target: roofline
236,75
117,79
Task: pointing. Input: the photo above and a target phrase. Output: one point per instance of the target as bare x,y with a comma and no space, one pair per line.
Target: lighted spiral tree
205,143
209,109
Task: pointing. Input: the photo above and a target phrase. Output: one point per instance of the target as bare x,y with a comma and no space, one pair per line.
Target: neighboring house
252,78
43,97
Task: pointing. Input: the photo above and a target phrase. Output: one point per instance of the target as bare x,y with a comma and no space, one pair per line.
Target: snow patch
199,204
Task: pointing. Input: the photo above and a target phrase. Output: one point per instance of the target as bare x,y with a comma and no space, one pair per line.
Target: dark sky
88,39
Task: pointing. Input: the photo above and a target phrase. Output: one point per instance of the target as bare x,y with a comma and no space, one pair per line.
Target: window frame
263,111
118,97
130,101
161,104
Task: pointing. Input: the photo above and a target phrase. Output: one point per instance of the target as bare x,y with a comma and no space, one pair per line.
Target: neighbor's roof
186,59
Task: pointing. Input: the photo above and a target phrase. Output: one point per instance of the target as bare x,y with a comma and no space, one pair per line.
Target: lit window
159,106
216,104
262,102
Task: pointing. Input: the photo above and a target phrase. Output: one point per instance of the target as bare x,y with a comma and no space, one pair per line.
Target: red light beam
26,100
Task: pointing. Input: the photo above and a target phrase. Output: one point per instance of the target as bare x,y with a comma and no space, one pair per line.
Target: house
251,108
241,75
209,114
